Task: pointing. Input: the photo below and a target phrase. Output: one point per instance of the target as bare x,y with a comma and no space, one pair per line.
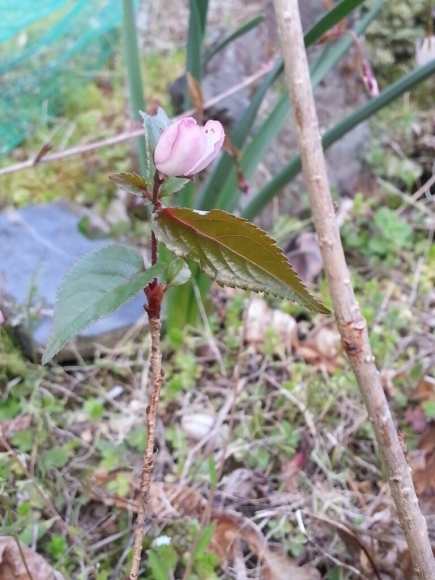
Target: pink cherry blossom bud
2,318
186,148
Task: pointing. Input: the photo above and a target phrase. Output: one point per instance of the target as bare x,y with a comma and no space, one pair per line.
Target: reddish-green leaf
130,182
232,251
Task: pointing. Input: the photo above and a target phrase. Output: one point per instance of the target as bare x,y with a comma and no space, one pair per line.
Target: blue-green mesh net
48,47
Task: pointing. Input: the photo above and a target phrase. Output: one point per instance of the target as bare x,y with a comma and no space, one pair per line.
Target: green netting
47,48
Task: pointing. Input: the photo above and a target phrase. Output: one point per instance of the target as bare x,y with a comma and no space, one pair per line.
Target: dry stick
351,323
148,460
126,136
23,557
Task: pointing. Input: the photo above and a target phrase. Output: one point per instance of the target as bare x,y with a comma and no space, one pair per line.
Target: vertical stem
148,459
153,249
137,99
351,323
154,293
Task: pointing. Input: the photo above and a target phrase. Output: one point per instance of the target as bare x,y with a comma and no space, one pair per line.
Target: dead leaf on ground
196,426
166,499
416,418
292,470
10,427
232,528
260,318
304,255
12,566
322,348
425,390
326,341
422,463
240,483
279,567
172,500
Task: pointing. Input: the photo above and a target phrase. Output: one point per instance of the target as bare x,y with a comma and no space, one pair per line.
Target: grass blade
394,91
262,141
236,34
217,180
197,25
135,83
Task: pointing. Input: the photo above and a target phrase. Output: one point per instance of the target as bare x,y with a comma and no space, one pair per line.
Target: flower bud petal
425,50
185,148
215,135
179,146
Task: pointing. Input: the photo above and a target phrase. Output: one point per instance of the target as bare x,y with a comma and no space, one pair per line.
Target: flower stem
154,293
148,459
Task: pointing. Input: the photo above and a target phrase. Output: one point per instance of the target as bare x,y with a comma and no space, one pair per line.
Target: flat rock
38,244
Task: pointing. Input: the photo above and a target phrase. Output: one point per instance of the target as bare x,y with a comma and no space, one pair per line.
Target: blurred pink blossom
2,318
186,148
425,50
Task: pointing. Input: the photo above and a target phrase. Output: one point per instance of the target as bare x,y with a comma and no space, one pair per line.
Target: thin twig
351,323
127,135
148,460
154,293
23,558
47,502
409,200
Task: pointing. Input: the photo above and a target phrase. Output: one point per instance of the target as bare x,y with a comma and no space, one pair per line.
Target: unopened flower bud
186,148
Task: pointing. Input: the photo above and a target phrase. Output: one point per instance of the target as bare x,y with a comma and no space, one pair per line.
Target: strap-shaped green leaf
209,54
233,252
94,287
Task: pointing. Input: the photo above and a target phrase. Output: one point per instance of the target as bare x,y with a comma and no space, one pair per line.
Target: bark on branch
148,461
351,323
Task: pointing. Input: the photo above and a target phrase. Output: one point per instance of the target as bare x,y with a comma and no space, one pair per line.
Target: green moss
392,36
94,111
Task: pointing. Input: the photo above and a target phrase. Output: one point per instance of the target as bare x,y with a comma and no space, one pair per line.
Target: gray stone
38,244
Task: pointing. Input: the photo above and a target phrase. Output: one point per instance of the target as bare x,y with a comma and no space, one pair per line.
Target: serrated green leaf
95,287
154,126
178,273
233,252
172,185
131,182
